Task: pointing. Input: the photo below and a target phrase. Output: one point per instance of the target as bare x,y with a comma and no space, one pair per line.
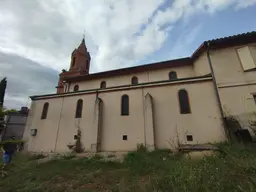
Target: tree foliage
4,111
3,84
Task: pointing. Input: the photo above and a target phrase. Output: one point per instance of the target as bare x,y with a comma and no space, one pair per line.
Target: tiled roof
242,36
229,41
136,69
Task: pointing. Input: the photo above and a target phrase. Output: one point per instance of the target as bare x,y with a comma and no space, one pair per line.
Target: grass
36,157
232,170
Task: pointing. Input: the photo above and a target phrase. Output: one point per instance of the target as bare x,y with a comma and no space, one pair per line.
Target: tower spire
82,47
79,65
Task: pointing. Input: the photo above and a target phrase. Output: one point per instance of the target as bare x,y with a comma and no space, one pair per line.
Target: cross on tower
84,34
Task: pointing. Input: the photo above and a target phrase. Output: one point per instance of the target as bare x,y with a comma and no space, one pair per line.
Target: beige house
160,105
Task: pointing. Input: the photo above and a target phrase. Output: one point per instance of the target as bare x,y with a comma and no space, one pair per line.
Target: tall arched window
87,65
134,80
79,108
184,102
125,105
103,84
76,88
172,75
45,111
73,61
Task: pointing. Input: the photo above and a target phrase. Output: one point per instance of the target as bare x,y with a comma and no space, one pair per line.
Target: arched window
125,105
79,108
45,111
172,75
73,61
87,65
103,84
76,88
184,102
134,80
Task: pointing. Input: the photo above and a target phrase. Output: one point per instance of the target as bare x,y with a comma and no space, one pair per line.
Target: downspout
144,117
217,92
95,105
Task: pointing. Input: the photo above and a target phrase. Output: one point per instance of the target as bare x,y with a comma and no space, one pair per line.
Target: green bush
18,142
141,148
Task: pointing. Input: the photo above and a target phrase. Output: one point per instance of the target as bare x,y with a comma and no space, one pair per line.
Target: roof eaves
226,41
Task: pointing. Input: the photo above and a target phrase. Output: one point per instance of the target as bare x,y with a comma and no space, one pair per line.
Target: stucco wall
201,65
203,123
235,85
115,125
238,100
228,69
239,103
253,52
144,77
46,128
69,124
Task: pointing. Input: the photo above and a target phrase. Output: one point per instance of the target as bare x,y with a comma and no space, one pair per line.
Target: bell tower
80,59
79,65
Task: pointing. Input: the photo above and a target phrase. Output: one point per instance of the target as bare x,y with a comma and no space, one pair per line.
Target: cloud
186,38
245,4
119,33
25,78
48,31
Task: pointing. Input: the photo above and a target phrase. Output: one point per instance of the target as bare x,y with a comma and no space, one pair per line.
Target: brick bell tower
79,65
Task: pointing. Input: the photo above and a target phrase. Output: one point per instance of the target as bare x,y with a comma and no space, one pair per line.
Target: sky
37,37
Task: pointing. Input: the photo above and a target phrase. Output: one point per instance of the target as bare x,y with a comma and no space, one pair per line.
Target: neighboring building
14,124
160,105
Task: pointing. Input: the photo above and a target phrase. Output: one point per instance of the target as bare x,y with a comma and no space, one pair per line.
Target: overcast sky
38,36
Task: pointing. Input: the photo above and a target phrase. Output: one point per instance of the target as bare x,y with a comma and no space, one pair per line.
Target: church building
160,105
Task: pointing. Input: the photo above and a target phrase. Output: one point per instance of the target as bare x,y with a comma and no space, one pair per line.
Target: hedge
18,142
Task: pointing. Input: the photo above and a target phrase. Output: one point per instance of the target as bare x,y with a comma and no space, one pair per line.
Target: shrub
18,142
141,148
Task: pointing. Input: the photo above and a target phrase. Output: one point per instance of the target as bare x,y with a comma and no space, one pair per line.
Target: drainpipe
217,92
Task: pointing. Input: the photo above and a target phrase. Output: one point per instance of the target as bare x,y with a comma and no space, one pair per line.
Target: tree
11,111
3,85
2,112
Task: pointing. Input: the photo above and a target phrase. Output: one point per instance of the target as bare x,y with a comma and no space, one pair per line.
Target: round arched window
172,75
134,80
103,84
76,88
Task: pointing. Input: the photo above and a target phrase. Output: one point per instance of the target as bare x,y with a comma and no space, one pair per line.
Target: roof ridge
233,36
